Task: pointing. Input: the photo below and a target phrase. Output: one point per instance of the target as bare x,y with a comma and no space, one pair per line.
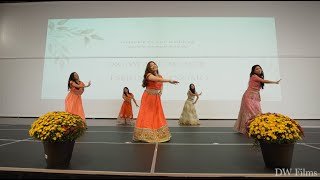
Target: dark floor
108,151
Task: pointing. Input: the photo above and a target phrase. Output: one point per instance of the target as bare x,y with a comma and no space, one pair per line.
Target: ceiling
21,1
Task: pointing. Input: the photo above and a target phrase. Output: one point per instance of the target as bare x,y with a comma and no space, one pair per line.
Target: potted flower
276,135
58,132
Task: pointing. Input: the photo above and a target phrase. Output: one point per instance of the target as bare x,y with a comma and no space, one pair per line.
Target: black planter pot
277,155
58,155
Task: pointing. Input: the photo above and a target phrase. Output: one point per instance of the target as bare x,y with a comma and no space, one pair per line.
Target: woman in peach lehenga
151,125
126,115
250,103
73,101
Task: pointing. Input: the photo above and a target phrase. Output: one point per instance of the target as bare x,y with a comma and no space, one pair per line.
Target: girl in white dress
189,114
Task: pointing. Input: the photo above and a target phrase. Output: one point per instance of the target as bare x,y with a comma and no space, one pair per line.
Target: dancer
126,115
189,114
250,103
151,124
73,101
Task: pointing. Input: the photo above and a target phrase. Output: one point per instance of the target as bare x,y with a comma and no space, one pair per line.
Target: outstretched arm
271,82
152,77
135,102
257,78
82,85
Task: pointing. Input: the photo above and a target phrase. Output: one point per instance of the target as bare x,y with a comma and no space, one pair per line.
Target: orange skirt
73,105
151,124
125,114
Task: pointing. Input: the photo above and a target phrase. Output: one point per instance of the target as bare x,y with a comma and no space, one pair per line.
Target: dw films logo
294,172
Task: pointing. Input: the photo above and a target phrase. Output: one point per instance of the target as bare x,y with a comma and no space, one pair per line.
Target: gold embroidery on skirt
148,135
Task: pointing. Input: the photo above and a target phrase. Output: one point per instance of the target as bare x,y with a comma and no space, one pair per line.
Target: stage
106,150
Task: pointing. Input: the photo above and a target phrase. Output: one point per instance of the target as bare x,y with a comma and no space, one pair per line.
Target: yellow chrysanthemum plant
274,128
58,126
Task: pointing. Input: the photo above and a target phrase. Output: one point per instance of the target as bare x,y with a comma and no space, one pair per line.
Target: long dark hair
260,75
148,70
71,78
124,92
192,90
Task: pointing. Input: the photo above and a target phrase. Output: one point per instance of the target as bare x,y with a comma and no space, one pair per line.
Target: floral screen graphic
58,32
214,53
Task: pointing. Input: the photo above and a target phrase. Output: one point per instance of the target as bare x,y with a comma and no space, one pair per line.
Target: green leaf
62,22
62,28
88,31
94,36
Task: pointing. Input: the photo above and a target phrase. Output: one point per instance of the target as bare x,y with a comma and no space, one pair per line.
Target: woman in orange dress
126,115
73,101
250,103
151,125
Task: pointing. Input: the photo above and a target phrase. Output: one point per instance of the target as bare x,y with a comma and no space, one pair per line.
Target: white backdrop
215,54
23,30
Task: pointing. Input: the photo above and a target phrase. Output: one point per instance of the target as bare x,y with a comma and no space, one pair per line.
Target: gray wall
22,46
